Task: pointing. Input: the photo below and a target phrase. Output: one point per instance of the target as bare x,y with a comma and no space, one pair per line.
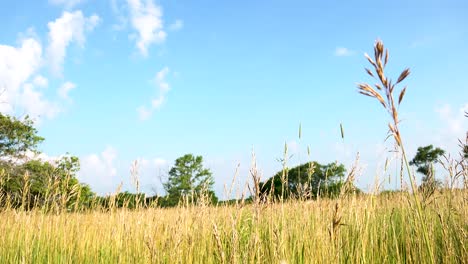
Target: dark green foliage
307,180
127,200
424,161
189,180
425,157
17,137
35,183
40,184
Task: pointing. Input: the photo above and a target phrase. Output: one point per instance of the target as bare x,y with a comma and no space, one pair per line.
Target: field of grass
352,229
419,225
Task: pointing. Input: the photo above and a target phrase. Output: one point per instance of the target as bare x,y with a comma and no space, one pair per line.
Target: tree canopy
30,183
188,179
424,159
17,137
306,180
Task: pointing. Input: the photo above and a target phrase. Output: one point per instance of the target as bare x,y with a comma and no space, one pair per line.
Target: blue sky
113,81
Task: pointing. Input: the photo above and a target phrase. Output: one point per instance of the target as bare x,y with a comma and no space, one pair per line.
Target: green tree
424,161
28,183
17,137
36,183
188,179
307,180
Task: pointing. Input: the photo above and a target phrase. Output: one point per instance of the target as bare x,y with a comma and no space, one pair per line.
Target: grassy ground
364,229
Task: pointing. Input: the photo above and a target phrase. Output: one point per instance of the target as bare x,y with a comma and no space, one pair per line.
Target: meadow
350,229
413,225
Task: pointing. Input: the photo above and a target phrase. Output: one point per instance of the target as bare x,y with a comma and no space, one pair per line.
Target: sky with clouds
118,81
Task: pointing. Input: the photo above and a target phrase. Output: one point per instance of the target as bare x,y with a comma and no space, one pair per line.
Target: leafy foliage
42,184
309,180
30,183
424,159
189,180
17,137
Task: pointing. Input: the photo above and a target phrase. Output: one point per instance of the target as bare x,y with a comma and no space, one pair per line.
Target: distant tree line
53,185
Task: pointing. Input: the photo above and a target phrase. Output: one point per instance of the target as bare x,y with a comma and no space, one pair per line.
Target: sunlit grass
372,229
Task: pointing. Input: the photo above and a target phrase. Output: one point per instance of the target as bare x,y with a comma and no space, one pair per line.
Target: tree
47,185
17,137
306,180
189,180
29,183
424,161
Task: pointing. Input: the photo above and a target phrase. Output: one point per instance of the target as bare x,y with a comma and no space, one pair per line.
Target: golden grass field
353,229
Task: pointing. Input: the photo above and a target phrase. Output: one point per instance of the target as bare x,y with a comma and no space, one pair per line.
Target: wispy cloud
65,89
146,19
455,121
70,27
343,52
163,87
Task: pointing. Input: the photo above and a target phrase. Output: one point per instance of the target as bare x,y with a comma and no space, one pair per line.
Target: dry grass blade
369,72
403,75
366,89
402,94
386,57
219,244
370,60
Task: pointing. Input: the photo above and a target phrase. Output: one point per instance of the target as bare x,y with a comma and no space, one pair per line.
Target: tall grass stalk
388,102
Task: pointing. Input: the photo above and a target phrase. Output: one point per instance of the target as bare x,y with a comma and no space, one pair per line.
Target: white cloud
158,162
65,89
455,121
35,104
177,25
146,19
70,27
68,4
161,80
43,157
41,81
145,113
17,66
99,170
343,52
22,87
122,21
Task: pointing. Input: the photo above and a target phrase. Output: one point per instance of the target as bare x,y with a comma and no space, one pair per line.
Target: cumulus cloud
18,90
177,25
34,103
22,86
41,81
163,87
343,52
17,65
146,19
69,28
99,170
151,173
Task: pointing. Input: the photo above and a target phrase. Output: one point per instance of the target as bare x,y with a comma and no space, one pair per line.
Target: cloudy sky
113,81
